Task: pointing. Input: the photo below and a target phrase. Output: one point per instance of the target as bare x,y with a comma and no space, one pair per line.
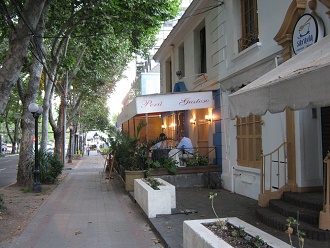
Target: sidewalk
86,210
198,206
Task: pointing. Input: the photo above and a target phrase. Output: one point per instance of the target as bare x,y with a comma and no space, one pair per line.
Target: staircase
308,205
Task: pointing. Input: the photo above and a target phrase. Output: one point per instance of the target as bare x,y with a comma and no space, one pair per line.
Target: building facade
223,47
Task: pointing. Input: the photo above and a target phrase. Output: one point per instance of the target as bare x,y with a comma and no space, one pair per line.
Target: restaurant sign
173,102
157,103
308,30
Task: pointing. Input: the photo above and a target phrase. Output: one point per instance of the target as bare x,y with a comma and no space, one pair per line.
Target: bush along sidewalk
50,166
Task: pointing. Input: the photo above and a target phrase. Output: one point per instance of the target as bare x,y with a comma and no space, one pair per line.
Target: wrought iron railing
196,152
248,40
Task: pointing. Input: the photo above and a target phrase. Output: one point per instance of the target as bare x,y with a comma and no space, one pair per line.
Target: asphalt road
8,170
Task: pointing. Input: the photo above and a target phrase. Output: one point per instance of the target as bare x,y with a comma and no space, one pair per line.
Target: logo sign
308,30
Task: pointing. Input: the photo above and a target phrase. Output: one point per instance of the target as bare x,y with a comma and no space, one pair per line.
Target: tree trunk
18,47
24,171
57,128
58,141
45,106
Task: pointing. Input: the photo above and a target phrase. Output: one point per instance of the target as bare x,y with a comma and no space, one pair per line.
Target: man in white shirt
185,145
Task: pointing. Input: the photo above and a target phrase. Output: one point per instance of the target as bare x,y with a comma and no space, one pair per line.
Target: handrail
266,176
210,149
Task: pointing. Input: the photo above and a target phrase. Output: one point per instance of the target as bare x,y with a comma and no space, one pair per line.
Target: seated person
162,144
185,145
158,152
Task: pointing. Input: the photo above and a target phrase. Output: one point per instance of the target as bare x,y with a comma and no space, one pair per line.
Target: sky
124,85
122,88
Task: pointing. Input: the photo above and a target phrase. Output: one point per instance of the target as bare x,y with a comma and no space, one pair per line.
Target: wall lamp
208,118
163,126
192,121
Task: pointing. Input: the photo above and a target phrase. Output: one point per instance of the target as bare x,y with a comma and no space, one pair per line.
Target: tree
112,46
12,120
86,45
20,35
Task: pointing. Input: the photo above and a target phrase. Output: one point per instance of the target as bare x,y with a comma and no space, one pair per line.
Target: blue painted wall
217,141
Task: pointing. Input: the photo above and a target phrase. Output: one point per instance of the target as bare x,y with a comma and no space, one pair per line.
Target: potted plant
130,157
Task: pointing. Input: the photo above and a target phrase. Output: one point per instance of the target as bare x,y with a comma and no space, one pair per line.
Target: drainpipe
232,180
233,177
276,60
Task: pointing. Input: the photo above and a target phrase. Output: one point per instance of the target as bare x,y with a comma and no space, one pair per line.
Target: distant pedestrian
85,150
88,149
98,147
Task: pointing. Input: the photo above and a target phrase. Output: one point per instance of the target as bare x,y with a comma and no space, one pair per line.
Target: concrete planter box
152,201
130,176
197,235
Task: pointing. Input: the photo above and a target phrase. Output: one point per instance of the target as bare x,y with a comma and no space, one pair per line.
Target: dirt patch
20,206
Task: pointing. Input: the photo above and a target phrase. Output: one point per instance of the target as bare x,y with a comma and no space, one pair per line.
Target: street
8,170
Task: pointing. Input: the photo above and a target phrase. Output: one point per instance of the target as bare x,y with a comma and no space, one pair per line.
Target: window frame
202,40
250,28
249,141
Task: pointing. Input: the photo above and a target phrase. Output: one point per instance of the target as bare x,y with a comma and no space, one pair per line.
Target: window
200,48
202,39
181,60
249,141
250,32
168,77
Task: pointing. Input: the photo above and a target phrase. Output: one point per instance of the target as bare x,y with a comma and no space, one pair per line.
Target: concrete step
288,210
279,222
313,201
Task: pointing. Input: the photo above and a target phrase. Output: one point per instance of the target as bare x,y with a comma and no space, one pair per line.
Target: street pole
36,184
36,112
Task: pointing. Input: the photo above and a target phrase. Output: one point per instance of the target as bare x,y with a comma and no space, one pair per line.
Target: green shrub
197,160
50,166
106,150
169,163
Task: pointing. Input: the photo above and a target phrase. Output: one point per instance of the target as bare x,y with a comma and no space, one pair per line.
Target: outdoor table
174,153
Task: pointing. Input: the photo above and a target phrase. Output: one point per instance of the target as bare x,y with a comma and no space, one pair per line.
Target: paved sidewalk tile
86,210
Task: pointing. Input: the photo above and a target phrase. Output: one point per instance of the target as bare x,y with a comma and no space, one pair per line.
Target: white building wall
227,69
308,149
242,68
246,181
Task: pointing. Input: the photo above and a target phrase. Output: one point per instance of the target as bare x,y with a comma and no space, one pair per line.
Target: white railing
274,170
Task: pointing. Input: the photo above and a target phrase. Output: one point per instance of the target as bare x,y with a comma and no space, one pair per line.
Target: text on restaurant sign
182,102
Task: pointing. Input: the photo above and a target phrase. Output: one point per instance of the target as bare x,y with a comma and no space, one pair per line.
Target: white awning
297,83
157,103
